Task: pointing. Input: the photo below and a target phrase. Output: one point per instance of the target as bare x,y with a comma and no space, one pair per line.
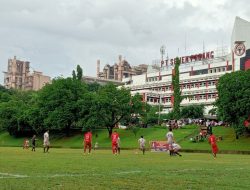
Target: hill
129,140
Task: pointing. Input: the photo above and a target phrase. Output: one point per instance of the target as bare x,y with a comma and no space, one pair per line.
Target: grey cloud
57,35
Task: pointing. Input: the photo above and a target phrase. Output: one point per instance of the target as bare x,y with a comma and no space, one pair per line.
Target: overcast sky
56,35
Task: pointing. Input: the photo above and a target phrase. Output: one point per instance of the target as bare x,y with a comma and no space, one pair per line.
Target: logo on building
239,49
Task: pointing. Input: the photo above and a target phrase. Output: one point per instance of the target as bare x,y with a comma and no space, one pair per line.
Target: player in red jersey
212,142
87,141
114,139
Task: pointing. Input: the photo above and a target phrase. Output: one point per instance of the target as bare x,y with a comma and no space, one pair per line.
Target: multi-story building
120,70
18,76
199,73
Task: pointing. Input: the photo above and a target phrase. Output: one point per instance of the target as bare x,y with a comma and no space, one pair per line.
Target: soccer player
87,141
114,138
142,143
33,142
212,142
119,145
26,144
176,148
46,143
170,140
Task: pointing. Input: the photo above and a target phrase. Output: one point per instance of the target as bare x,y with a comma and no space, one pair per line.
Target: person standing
46,143
33,142
118,145
142,143
212,142
114,138
170,140
87,141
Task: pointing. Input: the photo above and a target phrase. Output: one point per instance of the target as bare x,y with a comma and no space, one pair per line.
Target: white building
198,73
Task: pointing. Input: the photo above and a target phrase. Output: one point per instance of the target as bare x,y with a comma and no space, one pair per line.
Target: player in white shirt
118,145
142,143
170,140
176,148
46,143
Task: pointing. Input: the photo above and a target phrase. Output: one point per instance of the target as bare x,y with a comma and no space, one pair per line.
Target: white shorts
46,143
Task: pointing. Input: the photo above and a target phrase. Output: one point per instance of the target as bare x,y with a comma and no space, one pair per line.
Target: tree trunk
68,130
237,136
110,131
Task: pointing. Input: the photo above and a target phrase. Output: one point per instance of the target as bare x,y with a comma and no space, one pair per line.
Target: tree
234,99
192,111
79,72
13,115
93,87
150,117
74,75
177,92
111,105
58,103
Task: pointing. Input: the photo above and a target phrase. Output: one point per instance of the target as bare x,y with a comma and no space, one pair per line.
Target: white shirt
46,137
142,141
118,141
176,146
170,136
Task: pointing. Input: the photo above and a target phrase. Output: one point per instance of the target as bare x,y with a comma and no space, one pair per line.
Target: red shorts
215,148
87,144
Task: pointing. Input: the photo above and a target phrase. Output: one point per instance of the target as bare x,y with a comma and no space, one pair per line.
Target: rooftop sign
188,59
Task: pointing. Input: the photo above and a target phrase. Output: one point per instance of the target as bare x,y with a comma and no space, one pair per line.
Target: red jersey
114,137
88,137
212,140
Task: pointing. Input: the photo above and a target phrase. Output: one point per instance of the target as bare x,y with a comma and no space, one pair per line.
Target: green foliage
79,72
93,87
110,106
168,116
150,117
74,75
58,103
233,102
68,104
13,113
192,111
177,92
135,129
213,111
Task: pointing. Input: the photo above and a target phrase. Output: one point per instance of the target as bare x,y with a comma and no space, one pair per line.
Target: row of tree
69,103
233,104
66,104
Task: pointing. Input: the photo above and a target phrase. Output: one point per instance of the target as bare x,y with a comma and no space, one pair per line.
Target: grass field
70,169
129,140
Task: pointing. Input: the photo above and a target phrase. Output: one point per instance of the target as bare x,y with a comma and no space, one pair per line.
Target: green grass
229,141
129,140
70,169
